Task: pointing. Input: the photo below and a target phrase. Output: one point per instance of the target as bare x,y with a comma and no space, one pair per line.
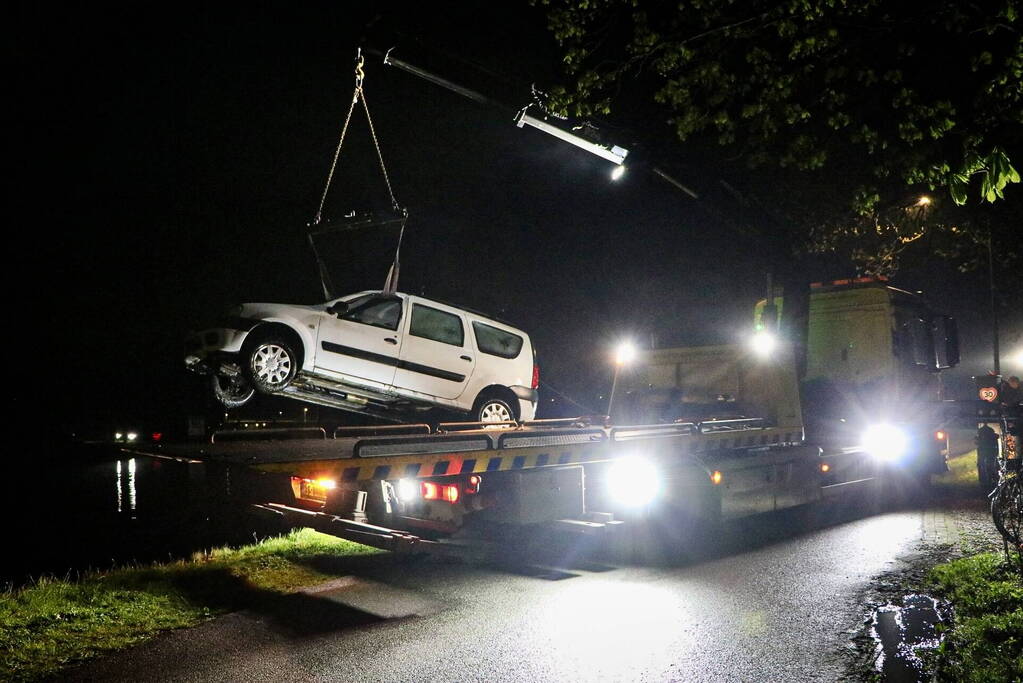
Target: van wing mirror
946,342
338,308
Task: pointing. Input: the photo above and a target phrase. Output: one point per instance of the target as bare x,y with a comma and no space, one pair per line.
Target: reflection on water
125,483
96,508
902,633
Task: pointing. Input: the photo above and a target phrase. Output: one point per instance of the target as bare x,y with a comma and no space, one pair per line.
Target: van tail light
433,491
536,377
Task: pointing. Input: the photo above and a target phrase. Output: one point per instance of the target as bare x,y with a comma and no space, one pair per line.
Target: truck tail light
434,491
473,485
536,377
312,489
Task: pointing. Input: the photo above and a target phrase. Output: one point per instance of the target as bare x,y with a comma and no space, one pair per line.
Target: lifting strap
359,95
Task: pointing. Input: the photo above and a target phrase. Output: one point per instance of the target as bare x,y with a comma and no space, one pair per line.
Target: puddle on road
899,631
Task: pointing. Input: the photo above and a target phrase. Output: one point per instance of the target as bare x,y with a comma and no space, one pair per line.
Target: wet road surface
781,611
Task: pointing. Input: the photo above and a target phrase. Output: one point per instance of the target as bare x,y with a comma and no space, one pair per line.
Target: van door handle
390,340
468,358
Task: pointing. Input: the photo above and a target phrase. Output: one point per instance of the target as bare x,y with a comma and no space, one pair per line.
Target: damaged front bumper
213,350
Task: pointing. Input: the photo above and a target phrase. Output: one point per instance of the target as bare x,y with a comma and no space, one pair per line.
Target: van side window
385,313
496,342
430,323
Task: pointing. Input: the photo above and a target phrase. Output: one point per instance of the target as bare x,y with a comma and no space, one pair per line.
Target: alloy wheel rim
495,412
272,364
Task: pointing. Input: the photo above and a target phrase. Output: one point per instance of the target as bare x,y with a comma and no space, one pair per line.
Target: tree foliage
866,102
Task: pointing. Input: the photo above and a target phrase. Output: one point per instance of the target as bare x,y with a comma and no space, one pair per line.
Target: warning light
825,467
328,484
473,485
940,435
716,477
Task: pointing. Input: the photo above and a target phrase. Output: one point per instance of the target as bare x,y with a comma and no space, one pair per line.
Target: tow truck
457,487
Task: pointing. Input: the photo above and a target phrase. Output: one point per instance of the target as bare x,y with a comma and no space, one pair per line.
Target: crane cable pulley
360,95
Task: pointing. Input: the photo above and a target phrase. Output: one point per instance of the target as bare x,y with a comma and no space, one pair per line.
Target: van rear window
496,342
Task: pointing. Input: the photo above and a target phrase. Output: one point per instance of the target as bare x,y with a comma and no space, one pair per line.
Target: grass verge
55,623
985,642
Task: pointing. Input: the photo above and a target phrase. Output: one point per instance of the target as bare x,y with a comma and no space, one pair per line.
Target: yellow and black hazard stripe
425,465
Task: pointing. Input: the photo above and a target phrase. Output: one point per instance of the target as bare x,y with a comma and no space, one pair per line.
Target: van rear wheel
493,409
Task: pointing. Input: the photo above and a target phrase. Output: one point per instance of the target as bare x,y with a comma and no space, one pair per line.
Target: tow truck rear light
473,485
312,489
716,477
434,491
940,435
536,377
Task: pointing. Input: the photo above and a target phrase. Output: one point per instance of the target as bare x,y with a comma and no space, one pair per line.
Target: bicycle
1007,496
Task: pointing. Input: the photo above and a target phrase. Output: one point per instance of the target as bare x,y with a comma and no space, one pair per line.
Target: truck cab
871,371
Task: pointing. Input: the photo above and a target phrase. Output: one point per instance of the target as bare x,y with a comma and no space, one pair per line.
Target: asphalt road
781,611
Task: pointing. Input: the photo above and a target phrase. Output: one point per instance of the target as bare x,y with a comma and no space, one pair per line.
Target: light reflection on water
126,483
131,484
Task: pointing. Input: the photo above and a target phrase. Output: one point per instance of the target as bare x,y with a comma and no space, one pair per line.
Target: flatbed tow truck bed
433,492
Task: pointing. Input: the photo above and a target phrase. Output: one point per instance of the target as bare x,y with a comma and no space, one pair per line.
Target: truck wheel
231,392
270,364
492,408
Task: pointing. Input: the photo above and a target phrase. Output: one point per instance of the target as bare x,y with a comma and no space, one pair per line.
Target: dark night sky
167,163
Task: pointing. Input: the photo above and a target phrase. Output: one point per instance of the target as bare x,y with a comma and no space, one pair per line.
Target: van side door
437,358
364,342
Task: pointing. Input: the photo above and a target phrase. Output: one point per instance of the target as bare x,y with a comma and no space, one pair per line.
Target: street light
625,353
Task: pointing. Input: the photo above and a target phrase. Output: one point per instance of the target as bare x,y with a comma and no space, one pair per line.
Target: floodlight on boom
614,154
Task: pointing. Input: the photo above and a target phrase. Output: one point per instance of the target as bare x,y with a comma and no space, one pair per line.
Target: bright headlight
763,343
885,442
633,482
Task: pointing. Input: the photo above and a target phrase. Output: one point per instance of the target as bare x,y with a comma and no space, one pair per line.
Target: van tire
493,407
270,364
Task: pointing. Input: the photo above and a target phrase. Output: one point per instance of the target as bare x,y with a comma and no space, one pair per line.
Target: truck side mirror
338,308
946,342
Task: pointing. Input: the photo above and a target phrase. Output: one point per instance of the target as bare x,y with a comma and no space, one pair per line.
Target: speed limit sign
988,394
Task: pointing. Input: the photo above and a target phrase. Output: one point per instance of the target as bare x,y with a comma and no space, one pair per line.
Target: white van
371,352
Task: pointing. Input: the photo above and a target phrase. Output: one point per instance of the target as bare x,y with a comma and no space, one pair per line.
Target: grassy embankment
985,640
54,623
